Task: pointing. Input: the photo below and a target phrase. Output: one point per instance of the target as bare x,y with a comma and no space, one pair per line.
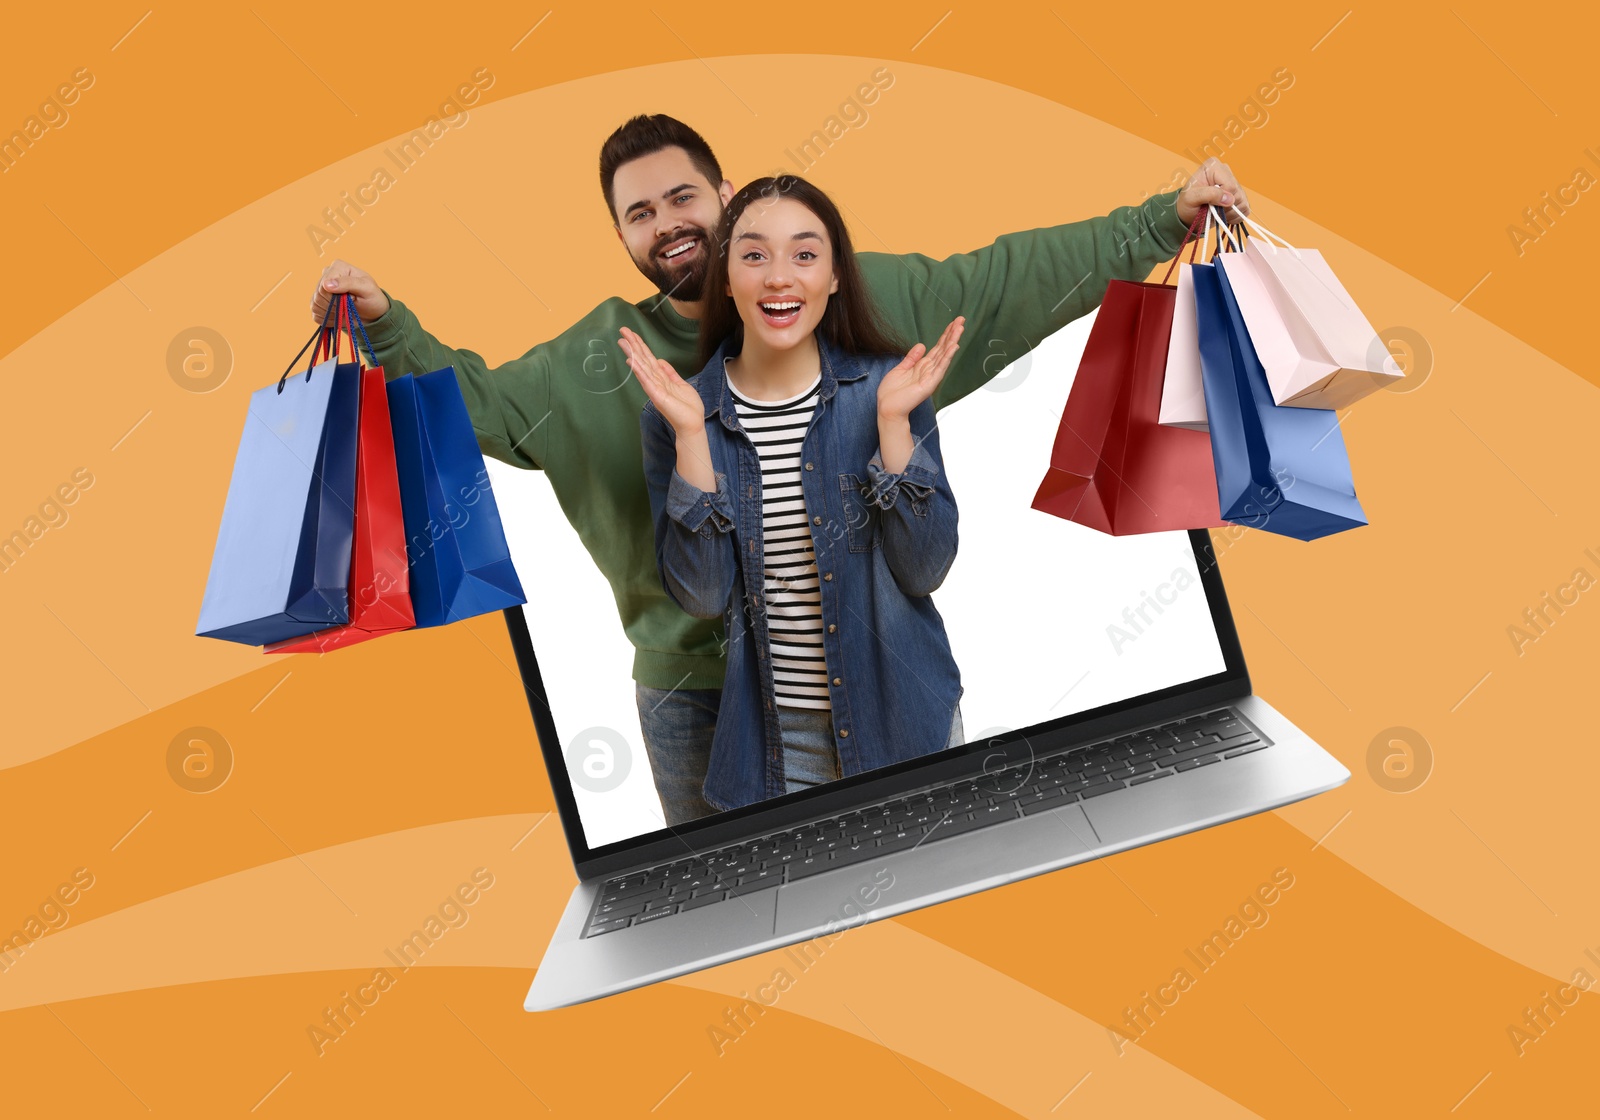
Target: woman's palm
674,398
914,380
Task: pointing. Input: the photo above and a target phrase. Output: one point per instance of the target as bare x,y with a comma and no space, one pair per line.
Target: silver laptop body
949,824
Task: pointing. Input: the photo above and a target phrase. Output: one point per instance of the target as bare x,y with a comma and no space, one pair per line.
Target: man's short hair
645,135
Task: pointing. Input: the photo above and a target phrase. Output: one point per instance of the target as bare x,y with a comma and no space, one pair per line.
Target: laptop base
576,968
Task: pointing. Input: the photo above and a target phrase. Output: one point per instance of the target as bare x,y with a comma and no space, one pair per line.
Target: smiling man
552,410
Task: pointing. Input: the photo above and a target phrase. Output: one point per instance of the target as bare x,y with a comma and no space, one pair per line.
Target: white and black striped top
794,596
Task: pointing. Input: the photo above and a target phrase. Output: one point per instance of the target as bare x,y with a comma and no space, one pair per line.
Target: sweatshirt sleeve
1023,287
508,403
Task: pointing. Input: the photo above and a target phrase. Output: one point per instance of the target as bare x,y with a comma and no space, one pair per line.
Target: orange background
366,785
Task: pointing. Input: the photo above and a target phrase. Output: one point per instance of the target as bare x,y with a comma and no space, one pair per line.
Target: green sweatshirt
570,406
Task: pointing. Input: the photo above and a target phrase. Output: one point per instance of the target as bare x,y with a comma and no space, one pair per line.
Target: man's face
666,211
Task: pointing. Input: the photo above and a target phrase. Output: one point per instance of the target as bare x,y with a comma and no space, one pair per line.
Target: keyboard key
1030,808
753,886
652,915
648,893
700,900
958,823
608,926
854,853
1151,777
1190,764
810,865
1232,741
900,842
622,909
1096,791
1246,750
1177,759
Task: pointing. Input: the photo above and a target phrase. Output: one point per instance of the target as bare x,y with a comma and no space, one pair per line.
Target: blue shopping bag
455,543
281,567
1281,469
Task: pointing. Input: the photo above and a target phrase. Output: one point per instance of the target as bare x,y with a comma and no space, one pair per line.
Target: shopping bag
456,546
1316,347
1281,469
1114,467
1183,399
380,595
281,566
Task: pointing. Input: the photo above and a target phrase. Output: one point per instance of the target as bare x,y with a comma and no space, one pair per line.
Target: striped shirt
794,596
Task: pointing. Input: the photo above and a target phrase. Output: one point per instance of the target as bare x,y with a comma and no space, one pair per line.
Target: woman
798,491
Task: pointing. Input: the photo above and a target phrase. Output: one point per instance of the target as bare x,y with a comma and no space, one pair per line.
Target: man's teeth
792,305
684,248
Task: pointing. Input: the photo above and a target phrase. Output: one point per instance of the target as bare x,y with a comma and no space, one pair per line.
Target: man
568,406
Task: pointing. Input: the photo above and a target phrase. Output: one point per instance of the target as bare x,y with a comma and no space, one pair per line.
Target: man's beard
686,282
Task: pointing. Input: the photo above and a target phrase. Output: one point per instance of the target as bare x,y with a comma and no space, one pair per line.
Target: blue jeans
677,725
809,756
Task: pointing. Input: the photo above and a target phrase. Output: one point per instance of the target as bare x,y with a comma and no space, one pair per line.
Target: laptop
1106,703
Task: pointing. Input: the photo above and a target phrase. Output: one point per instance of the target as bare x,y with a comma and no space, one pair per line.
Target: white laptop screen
1045,617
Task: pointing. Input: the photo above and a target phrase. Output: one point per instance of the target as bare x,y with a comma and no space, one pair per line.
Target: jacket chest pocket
863,519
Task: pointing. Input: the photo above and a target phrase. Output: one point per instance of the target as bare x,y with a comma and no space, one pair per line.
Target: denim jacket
883,543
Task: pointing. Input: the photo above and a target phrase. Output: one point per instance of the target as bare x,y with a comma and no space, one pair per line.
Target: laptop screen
1044,617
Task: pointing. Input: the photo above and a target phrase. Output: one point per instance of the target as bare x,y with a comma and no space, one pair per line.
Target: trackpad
945,869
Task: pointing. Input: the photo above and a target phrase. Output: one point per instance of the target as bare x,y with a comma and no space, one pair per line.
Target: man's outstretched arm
507,403
1030,284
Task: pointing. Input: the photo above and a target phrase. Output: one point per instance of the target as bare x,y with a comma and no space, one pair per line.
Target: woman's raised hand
913,381
674,397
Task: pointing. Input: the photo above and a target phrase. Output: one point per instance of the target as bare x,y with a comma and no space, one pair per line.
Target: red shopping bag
380,591
1114,466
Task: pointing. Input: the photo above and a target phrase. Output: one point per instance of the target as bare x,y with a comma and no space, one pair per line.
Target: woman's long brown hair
851,321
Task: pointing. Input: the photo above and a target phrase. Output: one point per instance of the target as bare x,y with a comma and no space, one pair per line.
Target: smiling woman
820,420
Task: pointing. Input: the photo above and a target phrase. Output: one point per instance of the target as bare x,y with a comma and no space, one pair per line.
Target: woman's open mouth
780,312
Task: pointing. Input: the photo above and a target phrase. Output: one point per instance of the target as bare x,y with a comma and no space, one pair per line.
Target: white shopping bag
1318,349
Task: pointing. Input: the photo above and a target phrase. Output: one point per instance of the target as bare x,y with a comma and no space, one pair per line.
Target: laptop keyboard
953,809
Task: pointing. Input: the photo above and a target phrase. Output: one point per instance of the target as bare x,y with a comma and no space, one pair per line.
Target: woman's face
780,271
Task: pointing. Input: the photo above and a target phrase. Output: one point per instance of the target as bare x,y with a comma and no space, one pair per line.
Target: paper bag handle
1266,233
352,324
1188,241
315,337
1225,230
